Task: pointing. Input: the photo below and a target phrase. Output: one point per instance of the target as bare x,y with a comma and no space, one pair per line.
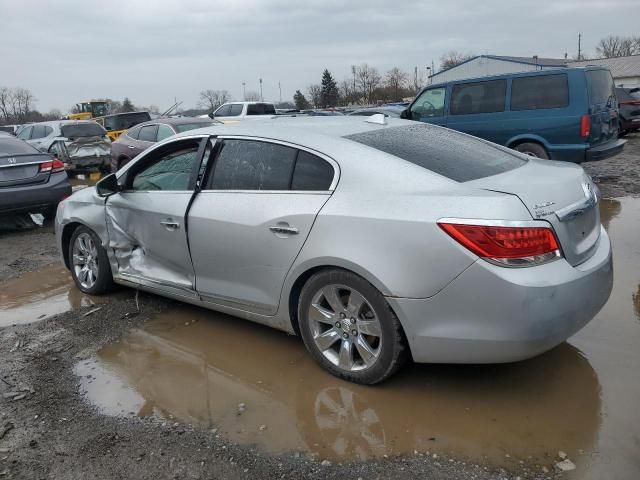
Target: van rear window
538,92
448,153
601,87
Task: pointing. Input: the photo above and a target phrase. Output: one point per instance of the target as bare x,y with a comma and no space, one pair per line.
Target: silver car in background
376,240
79,144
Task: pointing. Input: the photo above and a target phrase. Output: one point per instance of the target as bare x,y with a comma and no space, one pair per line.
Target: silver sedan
375,239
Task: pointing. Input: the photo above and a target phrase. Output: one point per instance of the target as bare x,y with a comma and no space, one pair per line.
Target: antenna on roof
377,118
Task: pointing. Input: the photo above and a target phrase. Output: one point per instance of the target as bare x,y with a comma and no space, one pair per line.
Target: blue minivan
563,114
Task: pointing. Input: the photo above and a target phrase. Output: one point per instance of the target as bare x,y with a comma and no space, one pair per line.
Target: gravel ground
51,432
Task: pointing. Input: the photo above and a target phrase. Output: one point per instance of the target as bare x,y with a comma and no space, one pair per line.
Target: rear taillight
52,166
630,102
508,246
585,126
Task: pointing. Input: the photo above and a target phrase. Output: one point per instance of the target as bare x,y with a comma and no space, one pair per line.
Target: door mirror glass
406,114
108,185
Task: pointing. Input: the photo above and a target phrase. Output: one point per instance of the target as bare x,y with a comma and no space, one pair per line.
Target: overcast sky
154,50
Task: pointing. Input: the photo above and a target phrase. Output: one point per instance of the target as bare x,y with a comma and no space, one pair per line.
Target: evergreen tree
127,106
300,101
329,93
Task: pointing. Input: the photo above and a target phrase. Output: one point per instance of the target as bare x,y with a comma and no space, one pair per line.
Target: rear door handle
131,147
284,230
170,224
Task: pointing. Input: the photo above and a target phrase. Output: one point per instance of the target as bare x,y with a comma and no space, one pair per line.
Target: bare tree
453,58
615,46
396,80
5,103
346,92
315,95
368,79
252,96
212,99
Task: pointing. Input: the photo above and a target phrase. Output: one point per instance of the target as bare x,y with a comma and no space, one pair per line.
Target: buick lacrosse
375,239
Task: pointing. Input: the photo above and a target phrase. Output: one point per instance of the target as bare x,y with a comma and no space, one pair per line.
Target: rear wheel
533,150
349,329
90,267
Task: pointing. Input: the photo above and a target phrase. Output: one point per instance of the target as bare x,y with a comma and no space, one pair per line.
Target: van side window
478,97
429,104
540,91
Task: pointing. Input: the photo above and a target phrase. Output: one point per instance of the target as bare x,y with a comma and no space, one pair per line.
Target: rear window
14,146
478,97
542,91
183,127
82,130
601,87
126,120
451,154
261,109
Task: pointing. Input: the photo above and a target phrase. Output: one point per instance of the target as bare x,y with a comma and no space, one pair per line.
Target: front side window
235,110
478,97
252,165
171,170
223,111
311,173
148,133
133,133
429,104
164,131
539,92
38,132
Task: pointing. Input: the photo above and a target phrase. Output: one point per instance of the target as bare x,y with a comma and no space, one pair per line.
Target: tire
533,150
367,350
98,278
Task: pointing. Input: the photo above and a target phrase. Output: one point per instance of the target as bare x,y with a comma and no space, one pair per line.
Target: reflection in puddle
196,366
40,294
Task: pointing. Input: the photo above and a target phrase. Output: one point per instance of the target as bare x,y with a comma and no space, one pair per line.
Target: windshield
453,155
14,146
183,127
82,130
125,120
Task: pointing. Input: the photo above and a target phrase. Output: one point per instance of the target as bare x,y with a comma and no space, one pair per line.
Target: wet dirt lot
149,388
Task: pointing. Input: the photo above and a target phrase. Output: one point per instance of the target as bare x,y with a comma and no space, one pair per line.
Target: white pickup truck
238,111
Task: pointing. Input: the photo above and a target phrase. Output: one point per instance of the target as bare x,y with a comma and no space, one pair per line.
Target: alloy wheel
85,260
345,327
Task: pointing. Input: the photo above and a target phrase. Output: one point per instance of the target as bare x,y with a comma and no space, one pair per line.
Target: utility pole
415,78
280,88
579,46
244,91
261,98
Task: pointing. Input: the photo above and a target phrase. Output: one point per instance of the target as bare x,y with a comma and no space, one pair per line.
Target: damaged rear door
146,221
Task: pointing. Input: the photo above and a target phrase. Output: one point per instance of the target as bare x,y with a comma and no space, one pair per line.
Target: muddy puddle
195,366
39,295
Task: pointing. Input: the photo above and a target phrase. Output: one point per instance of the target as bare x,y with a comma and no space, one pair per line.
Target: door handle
131,147
284,230
170,224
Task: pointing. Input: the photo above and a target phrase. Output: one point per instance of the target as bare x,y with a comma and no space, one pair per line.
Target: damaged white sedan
79,144
376,240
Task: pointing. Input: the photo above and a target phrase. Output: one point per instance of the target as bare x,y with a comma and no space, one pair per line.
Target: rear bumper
606,150
492,314
87,163
33,198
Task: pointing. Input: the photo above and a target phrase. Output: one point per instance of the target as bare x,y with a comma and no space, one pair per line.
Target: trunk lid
602,106
83,147
560,193
22,169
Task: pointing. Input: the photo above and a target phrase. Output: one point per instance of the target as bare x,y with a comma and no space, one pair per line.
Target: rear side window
13,146
542,91
148,133
478,97
252,165
82,130
601,87
183,127
261,109
311,173
448,153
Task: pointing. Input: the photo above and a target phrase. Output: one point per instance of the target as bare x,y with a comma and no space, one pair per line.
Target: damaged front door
146,220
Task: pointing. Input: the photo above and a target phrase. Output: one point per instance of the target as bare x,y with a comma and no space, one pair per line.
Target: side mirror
211,115
406,114
108,186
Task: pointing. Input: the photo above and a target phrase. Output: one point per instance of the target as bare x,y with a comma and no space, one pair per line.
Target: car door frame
256,311
173,290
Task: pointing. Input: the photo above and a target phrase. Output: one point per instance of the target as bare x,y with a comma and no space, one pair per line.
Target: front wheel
89,263
349,329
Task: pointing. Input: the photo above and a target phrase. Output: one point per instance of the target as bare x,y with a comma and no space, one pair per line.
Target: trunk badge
11,160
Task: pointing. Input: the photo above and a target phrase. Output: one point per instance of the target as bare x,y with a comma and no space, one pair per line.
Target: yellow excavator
89,110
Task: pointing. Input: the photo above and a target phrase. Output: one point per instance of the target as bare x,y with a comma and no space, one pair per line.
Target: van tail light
585,126
511,246
52,166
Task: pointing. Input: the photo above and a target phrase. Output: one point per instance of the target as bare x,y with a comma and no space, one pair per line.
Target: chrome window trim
331,161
